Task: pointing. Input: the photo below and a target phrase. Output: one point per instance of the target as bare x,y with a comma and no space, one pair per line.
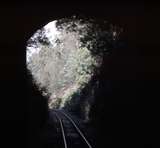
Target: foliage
66,68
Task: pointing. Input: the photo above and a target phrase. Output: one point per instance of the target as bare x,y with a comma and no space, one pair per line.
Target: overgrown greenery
67,69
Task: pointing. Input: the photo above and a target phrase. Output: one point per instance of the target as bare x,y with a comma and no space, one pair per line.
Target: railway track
71,135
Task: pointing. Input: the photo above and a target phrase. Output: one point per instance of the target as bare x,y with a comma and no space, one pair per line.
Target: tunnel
121,114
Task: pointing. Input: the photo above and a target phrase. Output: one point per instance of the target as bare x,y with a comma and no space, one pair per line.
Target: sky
51,33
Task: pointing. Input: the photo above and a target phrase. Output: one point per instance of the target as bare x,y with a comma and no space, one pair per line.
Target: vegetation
66,68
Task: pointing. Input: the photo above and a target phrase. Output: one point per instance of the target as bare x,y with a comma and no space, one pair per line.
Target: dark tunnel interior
124,112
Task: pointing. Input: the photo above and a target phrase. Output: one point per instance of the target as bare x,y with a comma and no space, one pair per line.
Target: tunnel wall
134,73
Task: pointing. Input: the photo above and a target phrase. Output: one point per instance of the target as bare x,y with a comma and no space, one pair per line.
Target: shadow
125,110
38,111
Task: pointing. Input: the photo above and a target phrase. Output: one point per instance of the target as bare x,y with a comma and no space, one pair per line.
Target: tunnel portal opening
64,58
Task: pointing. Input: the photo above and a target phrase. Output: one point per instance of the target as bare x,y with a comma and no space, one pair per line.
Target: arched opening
64,58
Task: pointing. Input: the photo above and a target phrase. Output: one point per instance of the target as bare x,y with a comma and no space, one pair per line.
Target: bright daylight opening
63,57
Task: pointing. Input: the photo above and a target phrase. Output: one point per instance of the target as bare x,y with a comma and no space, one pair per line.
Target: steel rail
62,129
76,127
